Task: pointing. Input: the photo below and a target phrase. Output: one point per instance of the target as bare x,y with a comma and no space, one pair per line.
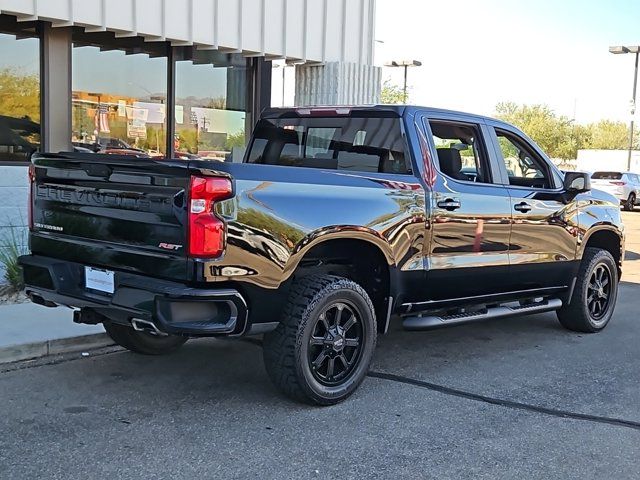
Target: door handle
523,207
449,204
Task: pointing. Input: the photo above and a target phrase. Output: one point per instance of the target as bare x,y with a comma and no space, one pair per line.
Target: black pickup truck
338,220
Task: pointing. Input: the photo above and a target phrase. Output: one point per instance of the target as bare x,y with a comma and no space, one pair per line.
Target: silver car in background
623,185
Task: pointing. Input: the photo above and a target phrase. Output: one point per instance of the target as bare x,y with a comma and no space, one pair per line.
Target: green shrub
11,247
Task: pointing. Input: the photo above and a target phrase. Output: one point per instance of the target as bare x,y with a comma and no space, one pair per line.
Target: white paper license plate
96,279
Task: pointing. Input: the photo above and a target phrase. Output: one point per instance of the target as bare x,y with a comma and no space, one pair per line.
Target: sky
477,53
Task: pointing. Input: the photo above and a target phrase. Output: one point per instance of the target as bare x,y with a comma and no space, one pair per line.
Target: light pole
404,64
618,50
283,66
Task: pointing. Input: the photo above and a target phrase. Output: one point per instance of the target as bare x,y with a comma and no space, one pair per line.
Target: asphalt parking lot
503,399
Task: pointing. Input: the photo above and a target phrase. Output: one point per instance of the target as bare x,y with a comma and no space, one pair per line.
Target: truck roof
400,110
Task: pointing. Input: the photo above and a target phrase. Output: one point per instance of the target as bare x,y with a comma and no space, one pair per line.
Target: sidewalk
29,331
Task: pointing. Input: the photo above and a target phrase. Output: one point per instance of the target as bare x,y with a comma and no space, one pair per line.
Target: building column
56,89
337,83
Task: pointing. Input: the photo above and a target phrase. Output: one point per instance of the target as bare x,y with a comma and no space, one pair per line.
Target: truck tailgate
116,212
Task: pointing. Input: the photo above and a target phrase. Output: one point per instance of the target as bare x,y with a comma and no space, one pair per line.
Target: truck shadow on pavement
500,352
529,359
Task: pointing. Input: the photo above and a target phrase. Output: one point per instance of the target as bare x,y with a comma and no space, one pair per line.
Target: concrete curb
29,351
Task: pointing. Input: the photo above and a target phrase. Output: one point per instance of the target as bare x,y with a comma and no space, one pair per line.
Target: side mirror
577,182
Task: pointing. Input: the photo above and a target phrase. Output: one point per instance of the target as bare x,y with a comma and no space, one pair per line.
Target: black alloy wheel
592,304
321,350
335,344
599,291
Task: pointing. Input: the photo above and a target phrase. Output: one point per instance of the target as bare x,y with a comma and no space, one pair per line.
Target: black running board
428,322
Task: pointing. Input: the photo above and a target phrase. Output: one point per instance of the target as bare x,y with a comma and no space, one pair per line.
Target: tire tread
282,344
574,316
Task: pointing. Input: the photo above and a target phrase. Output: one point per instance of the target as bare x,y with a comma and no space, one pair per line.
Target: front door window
524,168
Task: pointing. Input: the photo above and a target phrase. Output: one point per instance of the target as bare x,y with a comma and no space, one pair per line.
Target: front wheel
595,294
143,342
322,348
630,203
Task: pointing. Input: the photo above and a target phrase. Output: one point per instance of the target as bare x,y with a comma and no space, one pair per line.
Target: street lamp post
283,66
404,64
618,50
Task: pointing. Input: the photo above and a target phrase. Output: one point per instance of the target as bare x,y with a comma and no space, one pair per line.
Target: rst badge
170,246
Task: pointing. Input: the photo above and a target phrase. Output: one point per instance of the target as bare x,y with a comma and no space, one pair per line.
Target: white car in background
623,185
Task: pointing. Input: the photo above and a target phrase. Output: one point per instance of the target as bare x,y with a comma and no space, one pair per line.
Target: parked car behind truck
338,220
625,186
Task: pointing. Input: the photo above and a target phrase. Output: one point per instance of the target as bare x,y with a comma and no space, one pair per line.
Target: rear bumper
174,308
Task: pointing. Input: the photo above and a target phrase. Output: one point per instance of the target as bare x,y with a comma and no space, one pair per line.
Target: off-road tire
143,342
630,203
287,349
576,316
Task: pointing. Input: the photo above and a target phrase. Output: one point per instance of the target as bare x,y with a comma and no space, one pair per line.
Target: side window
461,155
525,169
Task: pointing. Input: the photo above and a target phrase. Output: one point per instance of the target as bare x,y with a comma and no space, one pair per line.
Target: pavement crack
618,422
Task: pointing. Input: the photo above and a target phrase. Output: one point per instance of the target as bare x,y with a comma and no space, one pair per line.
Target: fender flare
600,227
342,232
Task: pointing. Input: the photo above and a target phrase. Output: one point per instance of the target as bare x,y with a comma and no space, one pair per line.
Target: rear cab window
351,143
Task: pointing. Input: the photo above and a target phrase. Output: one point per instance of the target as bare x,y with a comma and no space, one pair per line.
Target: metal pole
284,70
633,110
404,90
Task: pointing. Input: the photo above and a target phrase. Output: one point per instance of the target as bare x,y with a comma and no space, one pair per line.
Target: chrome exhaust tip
140,325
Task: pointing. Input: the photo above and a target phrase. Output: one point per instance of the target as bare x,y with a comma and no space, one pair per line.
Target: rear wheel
595,294
630,203
143,342
321,351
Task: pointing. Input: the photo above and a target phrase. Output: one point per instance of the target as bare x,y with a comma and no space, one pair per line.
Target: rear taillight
619,184
206,230
32,180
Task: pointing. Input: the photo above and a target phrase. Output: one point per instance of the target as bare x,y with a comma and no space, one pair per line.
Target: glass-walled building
19,90
129,97
119,95
164,79
120,101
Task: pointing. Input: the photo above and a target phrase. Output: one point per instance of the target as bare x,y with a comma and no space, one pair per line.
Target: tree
555,134
608,135
235,140
560,137
392,94
219,103
19,95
